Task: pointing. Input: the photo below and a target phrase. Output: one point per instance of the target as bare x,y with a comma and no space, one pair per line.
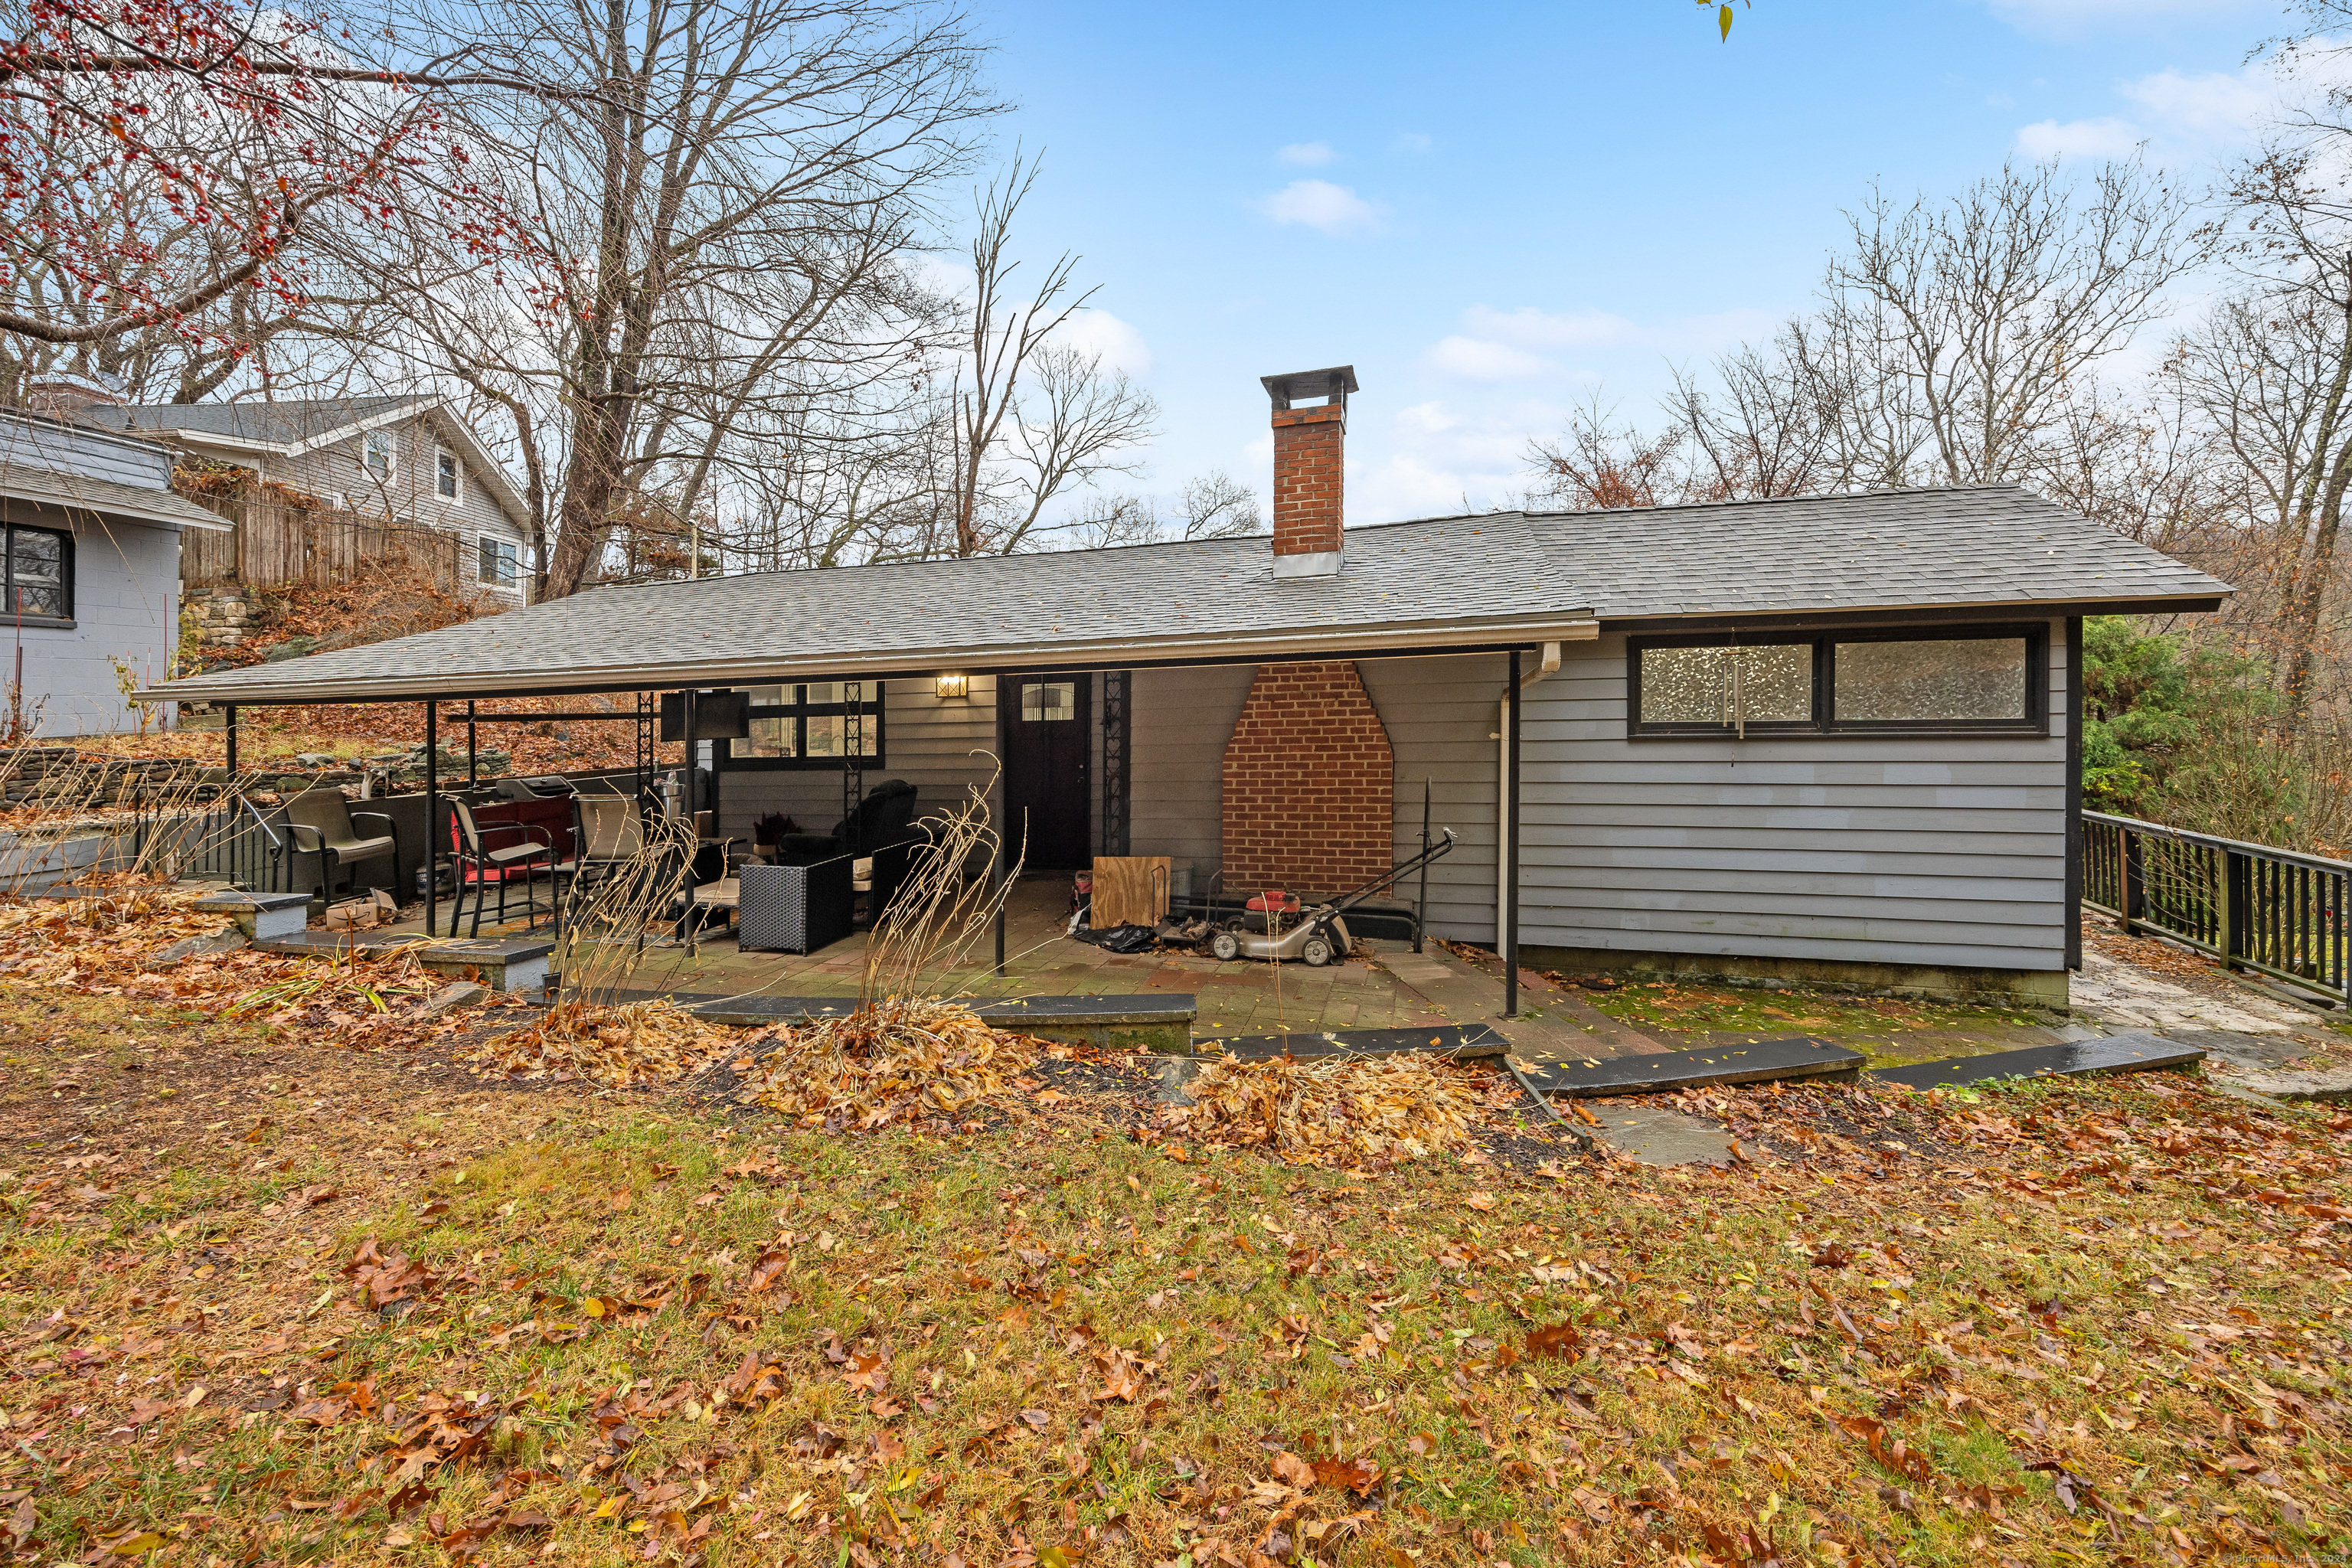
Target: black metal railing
2272,912
233,839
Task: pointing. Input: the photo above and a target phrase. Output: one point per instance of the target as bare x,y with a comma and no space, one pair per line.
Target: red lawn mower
1275,929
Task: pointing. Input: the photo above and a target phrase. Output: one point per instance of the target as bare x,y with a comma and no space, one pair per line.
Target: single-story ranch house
1826,737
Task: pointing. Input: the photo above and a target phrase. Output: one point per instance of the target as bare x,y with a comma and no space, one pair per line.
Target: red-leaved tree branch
231,143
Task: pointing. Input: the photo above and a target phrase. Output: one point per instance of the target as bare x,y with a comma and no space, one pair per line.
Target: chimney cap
1335,384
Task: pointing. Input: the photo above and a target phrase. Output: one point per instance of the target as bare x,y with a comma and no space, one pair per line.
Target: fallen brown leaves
899,1060
112,930
1331,1110
615,1045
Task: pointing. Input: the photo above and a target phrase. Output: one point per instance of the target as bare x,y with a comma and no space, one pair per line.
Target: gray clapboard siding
1944,851
1178,724
1439,714
940,746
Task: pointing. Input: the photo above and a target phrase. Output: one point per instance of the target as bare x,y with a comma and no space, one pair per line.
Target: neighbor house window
40,572
447,475
817,725
376,453
497,562
1987,678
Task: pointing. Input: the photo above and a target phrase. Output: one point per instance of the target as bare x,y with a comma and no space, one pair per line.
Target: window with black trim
1963,680
39,571
811,726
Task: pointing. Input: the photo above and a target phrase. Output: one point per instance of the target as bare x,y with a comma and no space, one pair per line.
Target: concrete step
2138,1051
1764,1061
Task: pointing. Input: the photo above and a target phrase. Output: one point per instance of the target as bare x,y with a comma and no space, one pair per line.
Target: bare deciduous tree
729,218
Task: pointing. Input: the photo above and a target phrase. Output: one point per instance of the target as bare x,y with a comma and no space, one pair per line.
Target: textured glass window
1043,702
36,573
1728,686
1949,679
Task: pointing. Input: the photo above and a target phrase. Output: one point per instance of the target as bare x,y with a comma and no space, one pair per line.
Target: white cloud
1116,342
2182,116
1510,345
2106,138
2209,103
1412,142
1475,359
1320,204
1433,457
1308,155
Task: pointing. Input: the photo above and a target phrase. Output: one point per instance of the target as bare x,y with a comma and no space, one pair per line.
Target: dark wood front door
1046,726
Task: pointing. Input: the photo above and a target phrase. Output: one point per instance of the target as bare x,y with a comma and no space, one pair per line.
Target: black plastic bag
1120,939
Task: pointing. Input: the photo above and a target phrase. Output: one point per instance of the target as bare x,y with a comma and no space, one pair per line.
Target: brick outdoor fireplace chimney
1309,444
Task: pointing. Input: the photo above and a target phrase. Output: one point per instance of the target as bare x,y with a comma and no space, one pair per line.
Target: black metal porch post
473,750
228,724
1511,844
433,820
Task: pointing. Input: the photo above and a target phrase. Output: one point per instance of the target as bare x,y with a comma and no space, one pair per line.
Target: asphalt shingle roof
1991,544
1491,580
271,423
79,492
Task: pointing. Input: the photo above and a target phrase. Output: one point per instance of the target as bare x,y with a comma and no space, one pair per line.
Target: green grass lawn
265,1298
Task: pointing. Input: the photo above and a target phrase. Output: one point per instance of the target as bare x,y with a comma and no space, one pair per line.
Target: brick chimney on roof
1309,443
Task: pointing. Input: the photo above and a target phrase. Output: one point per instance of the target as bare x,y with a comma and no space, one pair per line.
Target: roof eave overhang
1898,615
659,675
111,509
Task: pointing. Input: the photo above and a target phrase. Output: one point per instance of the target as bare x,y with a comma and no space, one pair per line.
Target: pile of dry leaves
115,929
1331,1110
896,1061
614,1045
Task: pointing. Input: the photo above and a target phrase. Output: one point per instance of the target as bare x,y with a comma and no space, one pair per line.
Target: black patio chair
320,822
477,864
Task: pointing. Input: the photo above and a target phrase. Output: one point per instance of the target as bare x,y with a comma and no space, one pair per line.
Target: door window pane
1044,702
1951,678
36,573
1727,685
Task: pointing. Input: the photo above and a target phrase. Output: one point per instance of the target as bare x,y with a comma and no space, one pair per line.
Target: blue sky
1486,209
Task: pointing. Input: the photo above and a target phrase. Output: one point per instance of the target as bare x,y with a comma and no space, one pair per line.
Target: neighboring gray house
1830,737
408,459
90,568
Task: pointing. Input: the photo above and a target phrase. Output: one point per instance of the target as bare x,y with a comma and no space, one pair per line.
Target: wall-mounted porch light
955,686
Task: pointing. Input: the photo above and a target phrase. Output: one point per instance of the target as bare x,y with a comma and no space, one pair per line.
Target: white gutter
1505,850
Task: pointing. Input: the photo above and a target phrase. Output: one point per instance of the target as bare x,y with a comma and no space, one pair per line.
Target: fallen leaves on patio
894,1061
617,1045
1332,1108
112,928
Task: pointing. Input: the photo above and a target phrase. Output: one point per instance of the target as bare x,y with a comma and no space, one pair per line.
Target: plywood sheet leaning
1129,890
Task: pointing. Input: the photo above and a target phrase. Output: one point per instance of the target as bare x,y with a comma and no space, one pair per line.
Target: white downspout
1504,848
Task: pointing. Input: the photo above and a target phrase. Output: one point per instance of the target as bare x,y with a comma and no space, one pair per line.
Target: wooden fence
2269,911
277,543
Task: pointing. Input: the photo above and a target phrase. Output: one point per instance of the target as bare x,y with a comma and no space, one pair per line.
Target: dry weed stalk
940,910
613,928
903,1054
174,825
